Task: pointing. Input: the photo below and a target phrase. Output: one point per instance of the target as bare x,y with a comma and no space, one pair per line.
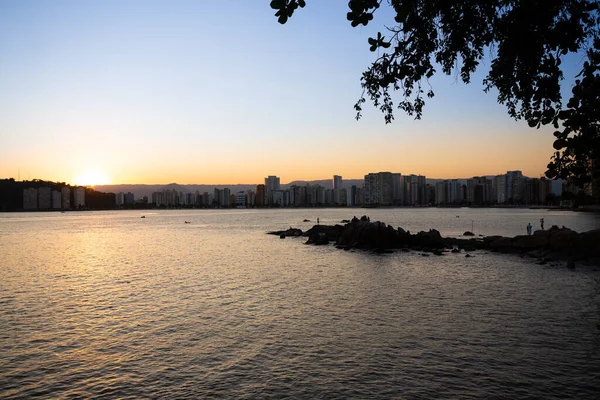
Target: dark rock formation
547,245
468,233
323,234
287,232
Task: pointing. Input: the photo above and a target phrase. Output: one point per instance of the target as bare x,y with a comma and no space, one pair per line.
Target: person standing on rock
529,228
542,222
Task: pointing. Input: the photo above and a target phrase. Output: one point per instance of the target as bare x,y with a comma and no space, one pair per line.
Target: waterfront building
261,195
56,200
30,199
360,196
278,197
514,184
441,189
337,182
397,189
329,197
342,197
120,199
500,188
379,189
351,196
454,192
79,197
66,197
129,198
250,198
44,198
271,184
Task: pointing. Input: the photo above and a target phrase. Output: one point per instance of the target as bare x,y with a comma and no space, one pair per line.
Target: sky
217,91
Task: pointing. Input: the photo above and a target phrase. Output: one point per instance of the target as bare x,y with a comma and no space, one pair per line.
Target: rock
502,244
588,245
368,235
562,239
431,239
559,243
468,233
288,232
530,242
323,234
468,255
306,220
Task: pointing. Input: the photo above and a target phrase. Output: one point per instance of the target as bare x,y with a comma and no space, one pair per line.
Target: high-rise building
66,197
351,200
226,197
514,184
129,198
56,200
278,197
30,199
79,197
441,190
379,189
261,195
44,198
454,192
120,199
250,198
397,189
337,182
271,184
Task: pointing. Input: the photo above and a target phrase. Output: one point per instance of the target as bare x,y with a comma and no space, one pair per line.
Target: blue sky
219,92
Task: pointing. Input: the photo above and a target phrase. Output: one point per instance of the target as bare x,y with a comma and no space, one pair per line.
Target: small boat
143,216
187,222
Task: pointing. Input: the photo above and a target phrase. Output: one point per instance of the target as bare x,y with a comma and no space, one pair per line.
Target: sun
91,178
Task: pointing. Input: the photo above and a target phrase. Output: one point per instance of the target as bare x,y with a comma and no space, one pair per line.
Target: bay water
112,305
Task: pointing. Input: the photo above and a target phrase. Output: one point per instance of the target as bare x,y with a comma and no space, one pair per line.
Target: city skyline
116,92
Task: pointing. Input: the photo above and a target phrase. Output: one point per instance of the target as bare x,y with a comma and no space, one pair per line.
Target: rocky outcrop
559,242
361,233
323,234
293,232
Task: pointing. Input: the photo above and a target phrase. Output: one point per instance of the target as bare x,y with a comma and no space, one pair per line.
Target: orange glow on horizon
92,178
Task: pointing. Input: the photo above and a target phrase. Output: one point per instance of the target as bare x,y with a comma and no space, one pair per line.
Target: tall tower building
271,185
337,182
260,195
79,197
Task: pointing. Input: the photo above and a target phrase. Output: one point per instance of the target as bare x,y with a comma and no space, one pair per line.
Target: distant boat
187,222
143,216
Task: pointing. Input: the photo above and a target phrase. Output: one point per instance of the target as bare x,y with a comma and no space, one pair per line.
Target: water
109,305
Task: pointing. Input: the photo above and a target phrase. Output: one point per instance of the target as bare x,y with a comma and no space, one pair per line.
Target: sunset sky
217,91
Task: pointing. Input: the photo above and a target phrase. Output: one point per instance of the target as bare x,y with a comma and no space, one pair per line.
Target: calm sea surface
110,305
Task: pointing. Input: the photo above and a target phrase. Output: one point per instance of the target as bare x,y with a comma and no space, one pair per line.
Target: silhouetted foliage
525,40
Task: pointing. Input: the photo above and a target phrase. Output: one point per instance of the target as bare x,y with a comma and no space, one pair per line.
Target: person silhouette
529,228
542,222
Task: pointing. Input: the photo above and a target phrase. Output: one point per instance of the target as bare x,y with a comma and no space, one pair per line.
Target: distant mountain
140,191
